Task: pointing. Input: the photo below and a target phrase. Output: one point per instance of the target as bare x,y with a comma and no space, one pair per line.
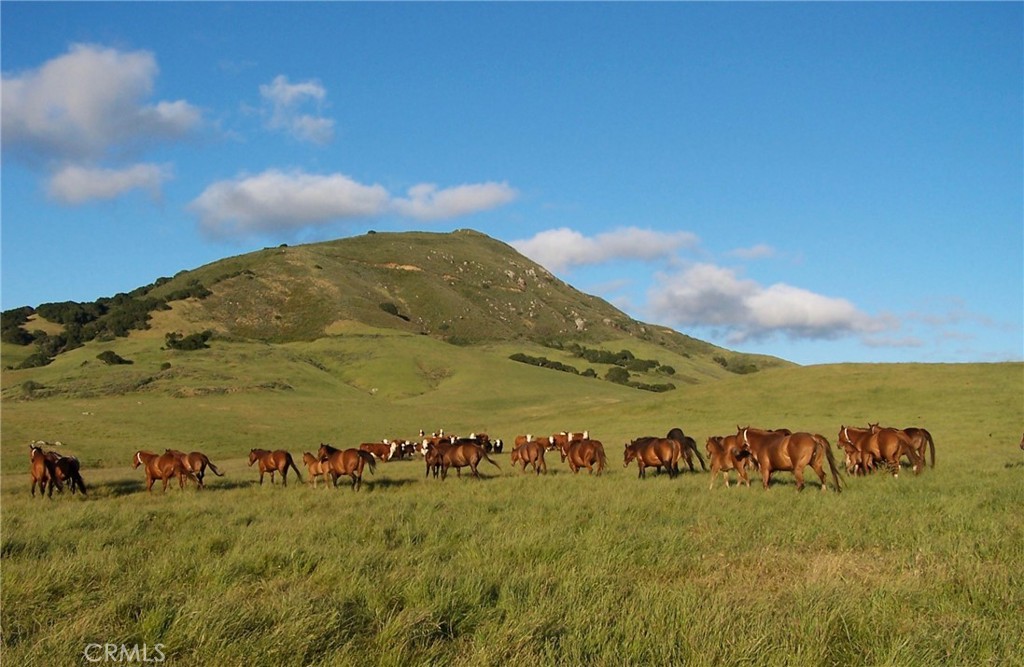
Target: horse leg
798,472
766,474
284,477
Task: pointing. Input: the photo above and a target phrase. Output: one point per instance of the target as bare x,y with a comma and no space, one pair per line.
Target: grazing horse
42,470
196,463
921,439
655,452
460,456
585,453
346,462
726,455
276,461
531,453
316,467
66,469
162,467
689,446
890,445
793,452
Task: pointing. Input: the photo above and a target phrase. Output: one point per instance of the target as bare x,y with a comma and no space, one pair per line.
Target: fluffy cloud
562,248
427,202
276,200
88,104
74,184
285,102
713,296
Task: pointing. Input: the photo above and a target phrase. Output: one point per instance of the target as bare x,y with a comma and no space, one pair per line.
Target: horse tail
931,444
492,461
212,467
368,459
290,462
602,460
822,442
703,466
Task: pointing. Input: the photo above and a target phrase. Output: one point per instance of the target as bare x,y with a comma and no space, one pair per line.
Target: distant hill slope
464,287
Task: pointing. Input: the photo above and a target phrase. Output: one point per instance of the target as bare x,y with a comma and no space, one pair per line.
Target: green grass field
512,569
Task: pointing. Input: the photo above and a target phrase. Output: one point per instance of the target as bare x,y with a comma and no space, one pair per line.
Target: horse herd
766,451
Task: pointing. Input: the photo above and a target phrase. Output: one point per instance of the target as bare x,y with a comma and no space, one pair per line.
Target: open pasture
519,569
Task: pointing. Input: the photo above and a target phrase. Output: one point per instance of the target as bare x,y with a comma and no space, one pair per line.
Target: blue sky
822,182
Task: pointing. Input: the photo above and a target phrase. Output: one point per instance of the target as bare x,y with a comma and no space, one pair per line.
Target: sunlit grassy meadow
512,569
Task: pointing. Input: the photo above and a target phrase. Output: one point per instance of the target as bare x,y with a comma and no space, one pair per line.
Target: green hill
316,305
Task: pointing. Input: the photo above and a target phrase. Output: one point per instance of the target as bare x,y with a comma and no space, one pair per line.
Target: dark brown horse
532,453
162,467
793,452
584,453
461,456
276,461
41,469
653,452
66,470
726,455
315,466
346,462
196,463
689,446
922,440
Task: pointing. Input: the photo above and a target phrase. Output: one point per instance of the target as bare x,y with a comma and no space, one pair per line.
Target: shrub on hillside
196,341
111,358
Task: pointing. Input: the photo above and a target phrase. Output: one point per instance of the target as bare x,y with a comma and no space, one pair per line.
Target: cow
382,450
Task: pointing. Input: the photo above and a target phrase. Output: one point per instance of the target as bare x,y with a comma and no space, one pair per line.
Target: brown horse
276,461
689,446
656,452
921,439
461,456
726,455
852,440
42,471
66,469
346,462
196,463
531,453
584,453
162,467
316,468
1022,442
890,445
793,452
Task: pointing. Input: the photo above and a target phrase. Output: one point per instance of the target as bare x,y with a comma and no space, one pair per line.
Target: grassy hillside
515,569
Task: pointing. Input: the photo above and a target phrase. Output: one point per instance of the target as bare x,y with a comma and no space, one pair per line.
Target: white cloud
286,101
88,104
713,296
75,184
562,248
427,202
276,200
759,251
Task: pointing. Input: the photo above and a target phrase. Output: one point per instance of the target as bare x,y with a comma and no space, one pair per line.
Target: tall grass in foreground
520,570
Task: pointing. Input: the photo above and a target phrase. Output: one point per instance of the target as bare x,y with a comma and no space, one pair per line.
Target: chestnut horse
921,439
852,439
197,463
276,461
793,452
66,469
349,462
42,471
890,445
657,452
584,453
460,456
689,446
162,467
726,455
531,453
316,468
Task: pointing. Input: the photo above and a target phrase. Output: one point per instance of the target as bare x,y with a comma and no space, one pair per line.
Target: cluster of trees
622,358
104,319
616,373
